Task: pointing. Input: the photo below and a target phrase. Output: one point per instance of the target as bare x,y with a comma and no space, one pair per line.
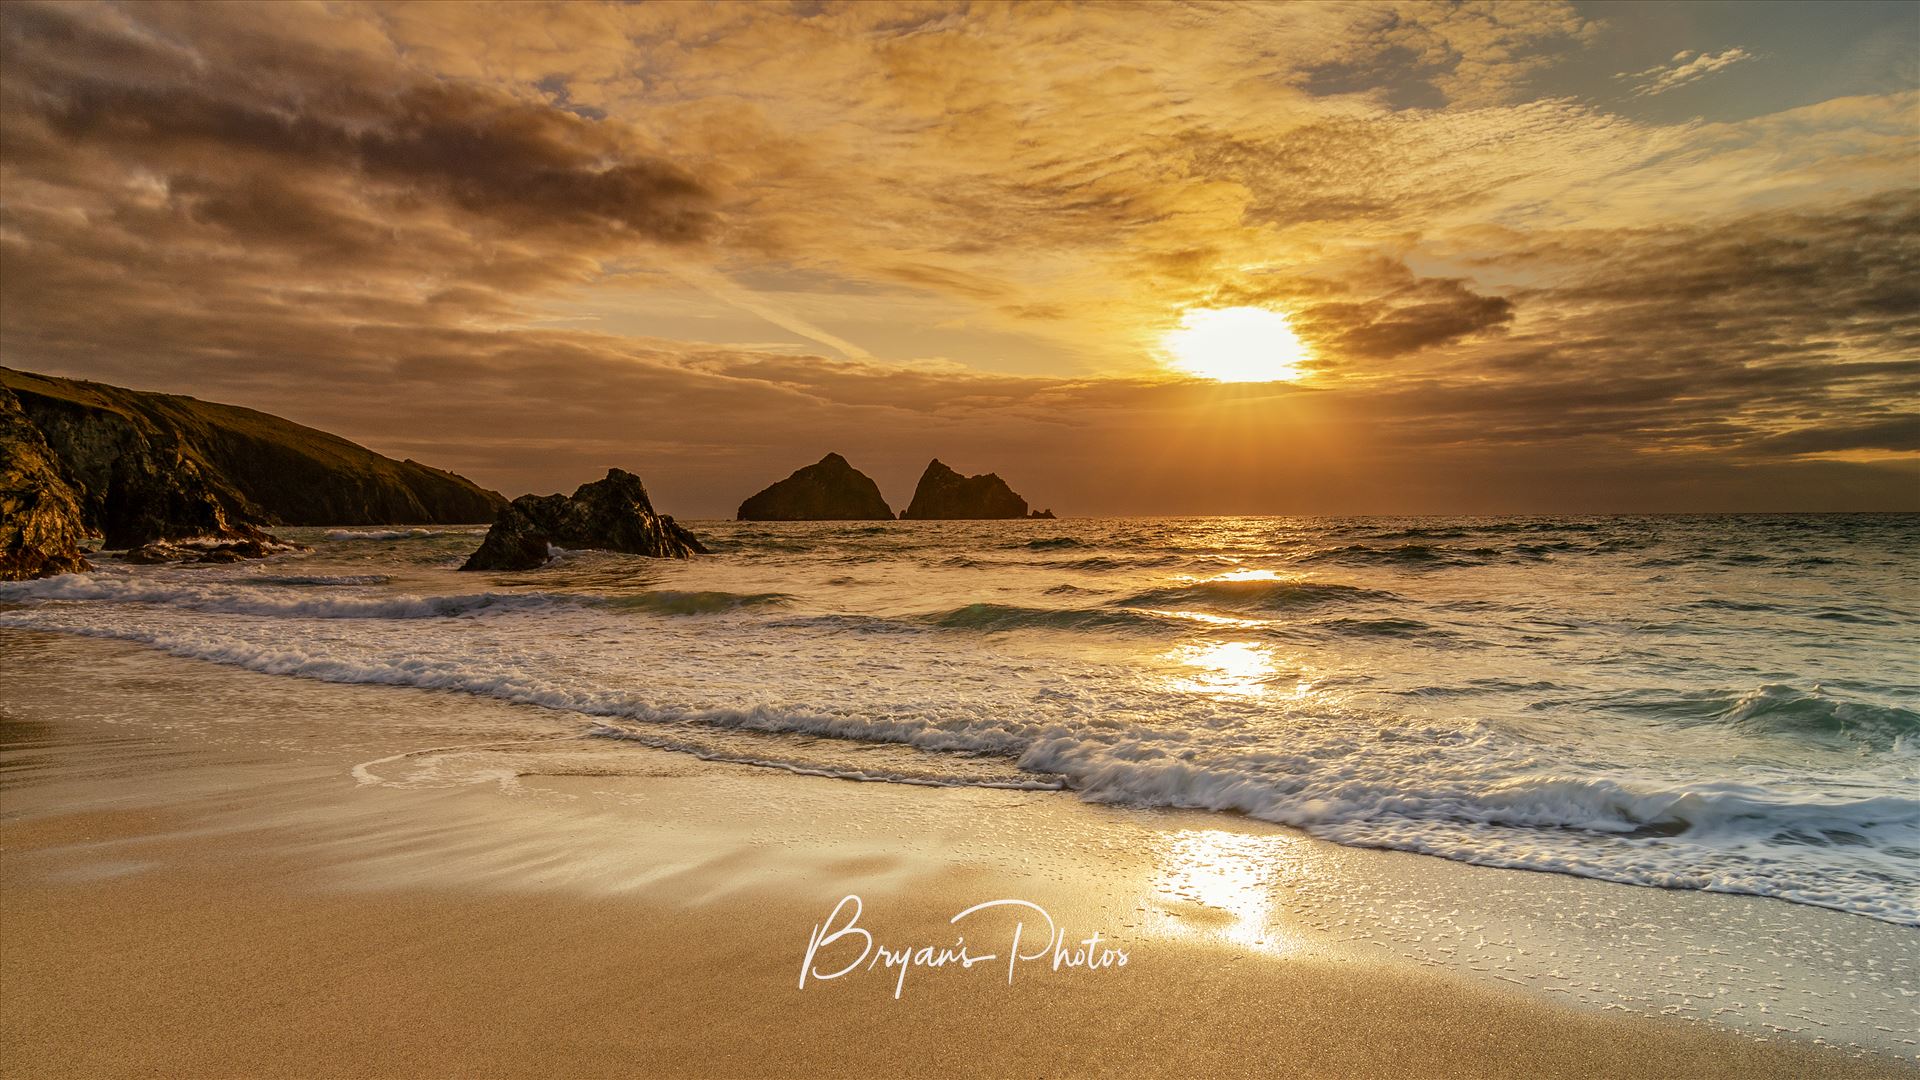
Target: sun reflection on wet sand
1216,883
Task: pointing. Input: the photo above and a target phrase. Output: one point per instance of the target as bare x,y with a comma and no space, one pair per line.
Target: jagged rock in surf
613,514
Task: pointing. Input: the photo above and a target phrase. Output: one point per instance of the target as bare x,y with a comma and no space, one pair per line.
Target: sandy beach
210,872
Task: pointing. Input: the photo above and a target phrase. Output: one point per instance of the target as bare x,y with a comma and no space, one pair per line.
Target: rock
830,490
207,549
943,494
613,514
40,523
1042,515
152,467
156,553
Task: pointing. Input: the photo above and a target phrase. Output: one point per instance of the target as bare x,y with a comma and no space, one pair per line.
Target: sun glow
1237,344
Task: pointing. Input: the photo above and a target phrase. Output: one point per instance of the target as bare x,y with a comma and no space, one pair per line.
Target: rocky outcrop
943,494
208,549
612,514
829,490
40,525
149,467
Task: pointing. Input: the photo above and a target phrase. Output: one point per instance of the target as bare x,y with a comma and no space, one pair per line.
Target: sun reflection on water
1226,667
1249,574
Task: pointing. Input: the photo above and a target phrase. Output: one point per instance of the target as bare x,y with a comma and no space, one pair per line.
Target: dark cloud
1898,433
1430,312
256,156
1375,308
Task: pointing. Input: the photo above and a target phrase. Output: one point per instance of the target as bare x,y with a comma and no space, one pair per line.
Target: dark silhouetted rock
1043,515
830,490
152,467
40,524
612,514
943,494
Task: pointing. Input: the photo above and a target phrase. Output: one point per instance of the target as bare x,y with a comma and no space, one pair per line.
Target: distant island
945,495
828,490
833,490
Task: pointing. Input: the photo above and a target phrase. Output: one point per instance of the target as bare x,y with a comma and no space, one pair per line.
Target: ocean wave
1788,710
316,580
1615,732
239,599
1409,629
1719,837
669,602
1262,594
1468,793
1000,617
1338,793
378,534
1107,564
1735,605
1780,710
1417,533
1416,556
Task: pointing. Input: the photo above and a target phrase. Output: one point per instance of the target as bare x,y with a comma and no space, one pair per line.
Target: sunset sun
1237,344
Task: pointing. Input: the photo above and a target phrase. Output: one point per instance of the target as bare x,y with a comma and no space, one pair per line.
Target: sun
1237,344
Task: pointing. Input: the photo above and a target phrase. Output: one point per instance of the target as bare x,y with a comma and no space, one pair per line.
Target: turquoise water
1726,703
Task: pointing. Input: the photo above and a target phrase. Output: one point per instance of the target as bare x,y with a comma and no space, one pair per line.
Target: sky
1537,258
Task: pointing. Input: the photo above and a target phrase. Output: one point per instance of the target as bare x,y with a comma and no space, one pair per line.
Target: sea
1727,703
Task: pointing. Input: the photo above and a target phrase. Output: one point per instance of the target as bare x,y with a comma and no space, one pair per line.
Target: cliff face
613,514
943,494
149,467
829,490
40,524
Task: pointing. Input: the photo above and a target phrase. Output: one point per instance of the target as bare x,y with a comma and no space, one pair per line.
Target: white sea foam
1558,737
378,534
230,597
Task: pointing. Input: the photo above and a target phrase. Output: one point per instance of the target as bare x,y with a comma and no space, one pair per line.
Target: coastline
198,880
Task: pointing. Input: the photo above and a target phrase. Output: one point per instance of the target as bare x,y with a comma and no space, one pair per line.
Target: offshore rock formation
614,514
945,495
40,525
151,467
829,490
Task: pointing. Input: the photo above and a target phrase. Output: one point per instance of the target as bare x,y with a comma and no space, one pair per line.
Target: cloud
1685,67
341,165
567,227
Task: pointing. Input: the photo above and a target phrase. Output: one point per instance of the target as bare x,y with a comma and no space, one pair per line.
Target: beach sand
209,872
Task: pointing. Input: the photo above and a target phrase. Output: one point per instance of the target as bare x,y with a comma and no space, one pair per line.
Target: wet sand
208,872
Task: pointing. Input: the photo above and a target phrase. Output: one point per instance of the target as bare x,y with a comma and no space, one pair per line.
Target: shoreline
188,850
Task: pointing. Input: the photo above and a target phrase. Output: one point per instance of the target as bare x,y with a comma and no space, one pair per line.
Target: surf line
364,775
